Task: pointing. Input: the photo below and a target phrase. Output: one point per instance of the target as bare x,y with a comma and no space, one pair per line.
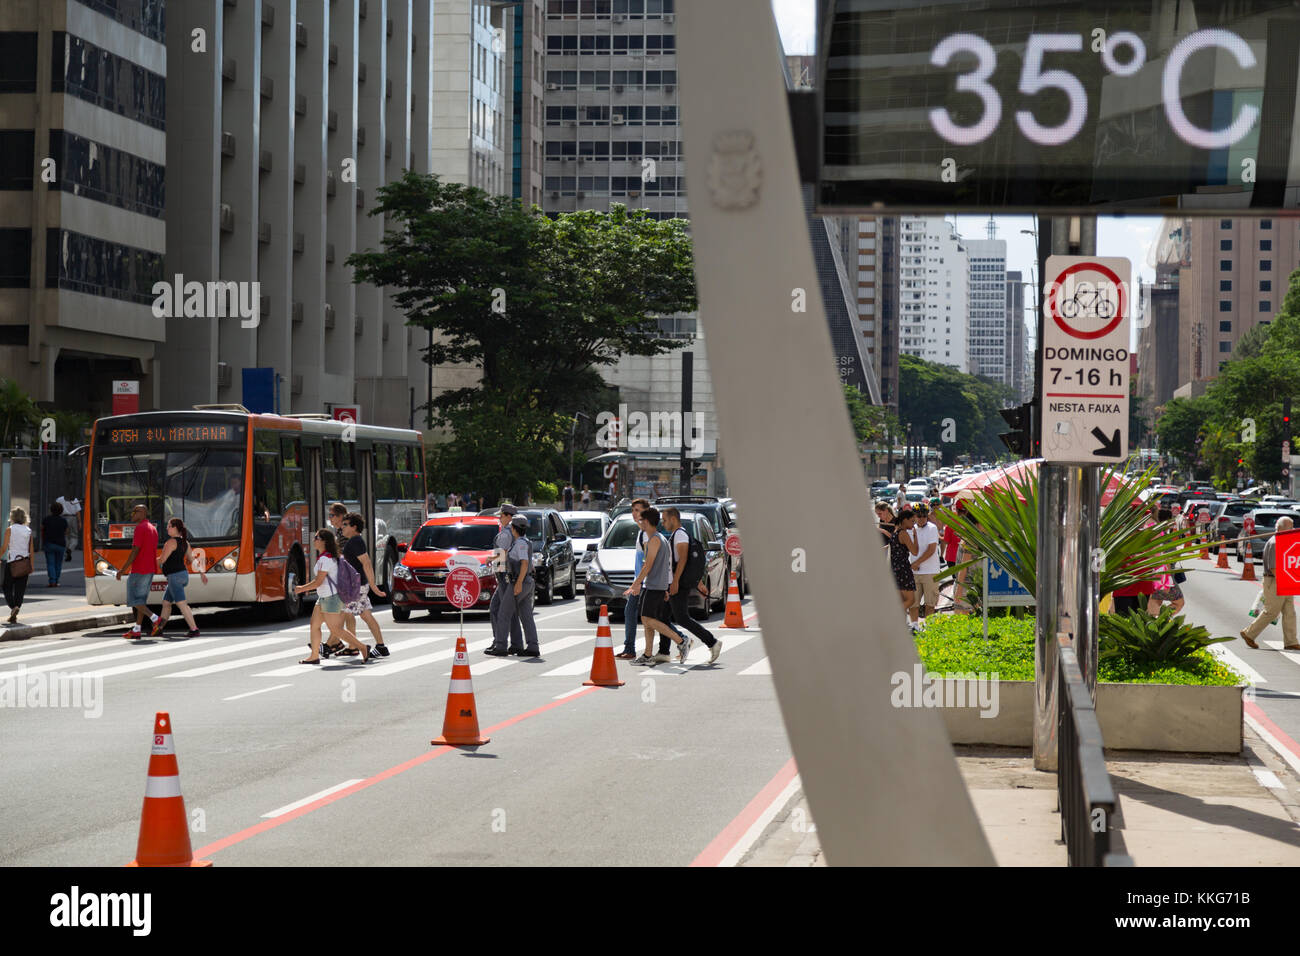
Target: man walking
504,624
686,577
143,562
656,575
568,496
632,609
1274,603
926,563
72,513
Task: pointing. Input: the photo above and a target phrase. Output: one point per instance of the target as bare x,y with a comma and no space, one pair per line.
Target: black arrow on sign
1109,446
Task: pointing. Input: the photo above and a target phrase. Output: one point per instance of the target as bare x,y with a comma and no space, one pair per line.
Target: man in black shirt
54,531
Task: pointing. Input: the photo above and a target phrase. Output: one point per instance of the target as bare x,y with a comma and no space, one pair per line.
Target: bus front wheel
289,606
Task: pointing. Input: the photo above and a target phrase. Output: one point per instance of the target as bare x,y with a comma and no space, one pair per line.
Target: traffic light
1020,439
1286,419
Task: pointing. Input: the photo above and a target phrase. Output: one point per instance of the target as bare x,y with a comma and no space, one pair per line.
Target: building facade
528,54
1017,338
84,106
933,273
987,290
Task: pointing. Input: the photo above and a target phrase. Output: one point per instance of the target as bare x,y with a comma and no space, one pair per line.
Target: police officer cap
509,510
519,521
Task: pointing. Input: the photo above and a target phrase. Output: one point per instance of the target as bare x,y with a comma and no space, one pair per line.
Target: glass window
1225,346
1225,285
1266,245
1266,306
1266,224
17,62
1225,265
1225,325
1225,245
1225,306
1265,265
1225,223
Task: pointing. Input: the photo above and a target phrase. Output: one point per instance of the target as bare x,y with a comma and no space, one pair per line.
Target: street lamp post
573,428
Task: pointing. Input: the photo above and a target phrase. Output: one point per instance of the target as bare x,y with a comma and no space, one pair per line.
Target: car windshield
203,487
621,534
584,527
451,537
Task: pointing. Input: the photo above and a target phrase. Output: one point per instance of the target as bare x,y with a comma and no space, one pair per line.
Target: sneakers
660,659
714,651
133,634
684,648
158,626
193,633
644,660
380,649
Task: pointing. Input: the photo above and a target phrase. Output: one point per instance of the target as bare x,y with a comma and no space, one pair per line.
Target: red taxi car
419,580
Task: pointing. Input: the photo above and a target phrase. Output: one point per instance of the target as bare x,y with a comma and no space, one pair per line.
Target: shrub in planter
1143,639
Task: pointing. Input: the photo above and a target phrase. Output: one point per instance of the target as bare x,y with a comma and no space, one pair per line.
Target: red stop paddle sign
732,545
462,588
1288,563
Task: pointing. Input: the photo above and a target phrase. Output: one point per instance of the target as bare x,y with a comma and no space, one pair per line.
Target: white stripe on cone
604,640
162,745
162,787
461,687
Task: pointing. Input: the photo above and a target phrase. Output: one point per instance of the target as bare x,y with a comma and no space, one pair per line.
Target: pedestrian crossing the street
273,657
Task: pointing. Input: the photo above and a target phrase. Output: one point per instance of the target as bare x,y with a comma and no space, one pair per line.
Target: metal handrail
1086,798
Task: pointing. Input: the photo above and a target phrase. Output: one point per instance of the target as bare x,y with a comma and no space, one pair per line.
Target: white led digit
975,82
1033,79
1188,131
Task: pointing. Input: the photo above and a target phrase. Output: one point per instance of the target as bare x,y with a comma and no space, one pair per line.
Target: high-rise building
83,159
281,136
987,329
528,56
1017,345
933,274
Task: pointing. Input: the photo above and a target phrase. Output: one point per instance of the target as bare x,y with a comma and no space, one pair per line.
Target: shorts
176,582
137,589
330,603
929,589
654,605
360,606
1171,593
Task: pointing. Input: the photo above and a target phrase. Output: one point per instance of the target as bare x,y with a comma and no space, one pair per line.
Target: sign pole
985,603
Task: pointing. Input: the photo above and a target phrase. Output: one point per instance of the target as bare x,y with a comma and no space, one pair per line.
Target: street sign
1288,563
732,545
126,397
462,588
346,413
1084,390
1003,589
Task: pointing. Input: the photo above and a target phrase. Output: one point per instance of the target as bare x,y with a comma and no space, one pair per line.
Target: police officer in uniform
504,621
518,599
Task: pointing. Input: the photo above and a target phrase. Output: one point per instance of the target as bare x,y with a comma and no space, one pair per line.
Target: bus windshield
201,486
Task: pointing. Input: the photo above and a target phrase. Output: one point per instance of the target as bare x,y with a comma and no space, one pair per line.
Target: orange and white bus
252,490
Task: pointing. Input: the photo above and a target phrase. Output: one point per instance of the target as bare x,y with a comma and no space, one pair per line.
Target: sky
1129,237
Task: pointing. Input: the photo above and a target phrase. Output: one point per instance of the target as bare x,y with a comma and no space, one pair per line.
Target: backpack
696,560
349,582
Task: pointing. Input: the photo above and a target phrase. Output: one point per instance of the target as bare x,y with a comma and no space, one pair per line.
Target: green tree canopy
930,393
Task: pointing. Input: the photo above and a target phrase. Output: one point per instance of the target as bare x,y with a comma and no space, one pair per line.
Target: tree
535,305
950,410
871,423
18,414
1179,427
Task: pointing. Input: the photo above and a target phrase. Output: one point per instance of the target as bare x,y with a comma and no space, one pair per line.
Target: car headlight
228,563
402,572
103,567
596,575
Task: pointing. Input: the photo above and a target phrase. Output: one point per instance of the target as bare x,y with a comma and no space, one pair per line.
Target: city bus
252,490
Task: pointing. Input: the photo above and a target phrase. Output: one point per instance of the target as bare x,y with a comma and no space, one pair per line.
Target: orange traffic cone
460,725
1223,559
735,617
164,827
1248,569
604,672
1205,552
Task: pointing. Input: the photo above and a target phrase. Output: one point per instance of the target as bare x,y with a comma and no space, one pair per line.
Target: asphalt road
647,774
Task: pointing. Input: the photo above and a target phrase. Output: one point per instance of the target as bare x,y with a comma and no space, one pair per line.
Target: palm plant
1002,524
1143,639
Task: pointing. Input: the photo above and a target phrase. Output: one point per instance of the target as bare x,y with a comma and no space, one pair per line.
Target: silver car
585,527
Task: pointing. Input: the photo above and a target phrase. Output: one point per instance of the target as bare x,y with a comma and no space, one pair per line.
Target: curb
22,632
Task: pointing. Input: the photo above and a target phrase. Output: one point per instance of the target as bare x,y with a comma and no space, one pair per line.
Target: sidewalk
1174,810
48,610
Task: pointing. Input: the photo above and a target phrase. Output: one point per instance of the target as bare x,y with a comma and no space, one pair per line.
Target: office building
987,289
528,53
1016,357
83,161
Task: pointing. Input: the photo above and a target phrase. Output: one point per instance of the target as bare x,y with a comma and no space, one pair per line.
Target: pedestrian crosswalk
268,660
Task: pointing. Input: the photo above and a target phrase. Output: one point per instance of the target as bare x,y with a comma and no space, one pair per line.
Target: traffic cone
1205,552
1223,559
164,826
460,725
604,672
1248,569
735,617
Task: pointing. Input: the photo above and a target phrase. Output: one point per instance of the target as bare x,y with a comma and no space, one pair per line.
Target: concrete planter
1169,717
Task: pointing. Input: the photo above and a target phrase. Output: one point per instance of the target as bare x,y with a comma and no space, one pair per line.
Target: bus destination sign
175,434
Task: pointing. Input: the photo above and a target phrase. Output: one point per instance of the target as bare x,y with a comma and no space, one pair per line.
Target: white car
585,527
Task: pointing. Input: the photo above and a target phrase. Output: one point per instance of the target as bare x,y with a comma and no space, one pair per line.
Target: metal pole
985,603
684,478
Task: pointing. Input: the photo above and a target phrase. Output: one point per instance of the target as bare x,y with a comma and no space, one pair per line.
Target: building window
1225,306
98,267
1225,325
1225,346
1266,245
1265,285
1225,223
1266,224
1265,265
1225,285
15,258
1225,265
109,81
17,62
1265,306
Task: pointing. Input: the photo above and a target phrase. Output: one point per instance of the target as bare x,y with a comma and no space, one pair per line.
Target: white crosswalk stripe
490,664
395,664
180,658
761,668
59,650
134,652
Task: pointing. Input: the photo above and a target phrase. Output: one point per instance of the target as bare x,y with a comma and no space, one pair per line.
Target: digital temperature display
1059,106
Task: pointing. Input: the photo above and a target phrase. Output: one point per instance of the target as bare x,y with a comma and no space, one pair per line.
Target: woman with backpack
175,558
329,606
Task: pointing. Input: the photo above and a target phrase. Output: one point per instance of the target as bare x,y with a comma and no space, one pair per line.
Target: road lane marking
1272,734
296,669
760,668
424,758
262,691
389,667
1292,656
182,658
729,846
1236,663
496,663
569,693
290,807
134,651
61,650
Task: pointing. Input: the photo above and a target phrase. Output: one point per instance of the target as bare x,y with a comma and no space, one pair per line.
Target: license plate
157,585
435,592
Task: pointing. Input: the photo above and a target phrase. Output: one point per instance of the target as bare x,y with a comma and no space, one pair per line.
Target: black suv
555,567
